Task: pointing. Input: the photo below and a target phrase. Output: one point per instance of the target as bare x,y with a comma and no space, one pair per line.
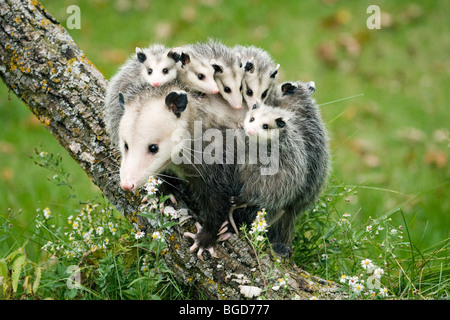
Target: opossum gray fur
302,169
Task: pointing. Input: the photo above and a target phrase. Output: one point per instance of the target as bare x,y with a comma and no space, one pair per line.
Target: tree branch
42,65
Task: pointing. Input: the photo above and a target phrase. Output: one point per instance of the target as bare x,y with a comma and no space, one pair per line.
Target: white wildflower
383,292
99,231
357,288
139,234
46,213
367,264
378,272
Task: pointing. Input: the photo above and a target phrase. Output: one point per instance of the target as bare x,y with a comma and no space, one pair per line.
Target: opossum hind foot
202,240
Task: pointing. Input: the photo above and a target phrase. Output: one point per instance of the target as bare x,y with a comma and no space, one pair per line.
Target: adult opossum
166,129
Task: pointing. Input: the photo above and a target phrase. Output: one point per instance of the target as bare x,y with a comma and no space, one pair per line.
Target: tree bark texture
43,66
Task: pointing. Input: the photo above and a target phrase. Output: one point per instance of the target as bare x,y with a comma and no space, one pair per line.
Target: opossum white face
229,81
256,86
145,134
157,69
197,74
260,120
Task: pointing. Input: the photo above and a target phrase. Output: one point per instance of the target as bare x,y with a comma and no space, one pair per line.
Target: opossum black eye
249,92
264,95
150,71
126,146
201,76
165,71
265,126
251,119
153,148
227,89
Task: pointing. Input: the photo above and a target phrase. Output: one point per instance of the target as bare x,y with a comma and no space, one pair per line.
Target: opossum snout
251,131
214,88
155,84
127,185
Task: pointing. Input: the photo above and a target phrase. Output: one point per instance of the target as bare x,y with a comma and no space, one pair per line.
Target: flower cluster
89,230
152,185
367,287
259,225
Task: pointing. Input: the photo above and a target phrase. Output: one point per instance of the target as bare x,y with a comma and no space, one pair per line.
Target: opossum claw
223,234
173,199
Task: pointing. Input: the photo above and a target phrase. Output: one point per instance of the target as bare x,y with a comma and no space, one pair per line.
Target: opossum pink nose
251,131
127,186
156,84
238,106
215,91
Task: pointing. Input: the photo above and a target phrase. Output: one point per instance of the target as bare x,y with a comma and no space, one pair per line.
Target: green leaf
169,224
4,273
37,279
17,266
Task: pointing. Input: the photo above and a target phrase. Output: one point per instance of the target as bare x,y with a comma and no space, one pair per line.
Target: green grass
391,139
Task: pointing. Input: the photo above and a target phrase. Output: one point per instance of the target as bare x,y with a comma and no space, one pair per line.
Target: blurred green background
391,135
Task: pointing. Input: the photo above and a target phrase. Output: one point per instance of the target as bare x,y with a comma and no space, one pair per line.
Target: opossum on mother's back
302,163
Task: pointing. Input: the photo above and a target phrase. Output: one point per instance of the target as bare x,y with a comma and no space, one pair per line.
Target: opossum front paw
202,241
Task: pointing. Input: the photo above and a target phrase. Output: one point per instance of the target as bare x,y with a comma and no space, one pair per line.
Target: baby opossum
229,73
303,163
261,119
158,64
195,69
134,76
260,74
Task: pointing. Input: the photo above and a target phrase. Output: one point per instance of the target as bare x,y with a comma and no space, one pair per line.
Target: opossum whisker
197,159
193,165
190,139
330,102
170,184
197,151
169,176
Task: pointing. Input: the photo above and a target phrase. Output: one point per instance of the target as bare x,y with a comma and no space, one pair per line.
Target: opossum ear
140,55
249,67
184,58
121,100
288,88
177,101
280,122
174,55
217,68
274,73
